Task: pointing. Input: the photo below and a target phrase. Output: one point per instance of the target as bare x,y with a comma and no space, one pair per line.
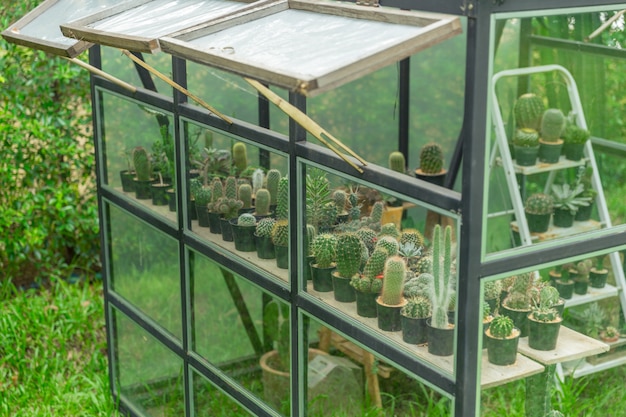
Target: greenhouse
315,207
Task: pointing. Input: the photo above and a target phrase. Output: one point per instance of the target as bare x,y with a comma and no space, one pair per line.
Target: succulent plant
418,285
317,197
431,158
526,138
441,290
388,243
280,233
272,178
610,332
544,310
354,210
282,199
375,264
246,220
348,256
309,236
528,110
552,125
194,186
368,237
376,214
569,198
486,311
325,249
539,203
141,163
397,162
424,265
501,327
245,195
393,281
240,157
262,202
389,229
264,227
417,307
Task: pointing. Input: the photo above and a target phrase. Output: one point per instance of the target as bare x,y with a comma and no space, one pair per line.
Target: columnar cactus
501,327
262,202
539,203
368,236
441,290
340,198
388,243
280,233
265,226
240,157
217,192
246,220
354,212
376,215
309,235
376,263
393,281
273,177
325,249
397,162
348,257
528,110
282,199
230,188
552,125
258,177
141,163
431,158
418,307
245,195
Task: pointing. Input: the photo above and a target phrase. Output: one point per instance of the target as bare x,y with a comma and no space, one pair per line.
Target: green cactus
526,138
240,157
417,307
368,237
230,188
282,199
258,177
202,196
431,158
389,229
519,297
424,265
441,291
367,285
325,249
388,243
340,198
486,311
528,110
552,125
575,134
418,285
376,263
245,195
272,178
262,202
141,163
539,203
376,215
309,235
501,327
246,220
217,192
228,207
280,233
265,226
492,290
348,256
393,281
411,236
397,162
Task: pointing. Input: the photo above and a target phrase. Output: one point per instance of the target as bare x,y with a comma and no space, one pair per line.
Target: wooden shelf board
540,167
554,232
162,211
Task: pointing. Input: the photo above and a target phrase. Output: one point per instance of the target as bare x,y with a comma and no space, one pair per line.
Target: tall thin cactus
441,291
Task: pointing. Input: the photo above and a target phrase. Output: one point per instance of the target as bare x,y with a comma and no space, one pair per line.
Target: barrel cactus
539,203
501,327
526,138
280,233
418,307
262,202
368,236
348,256
389,229
552,125
265,226
272,178
246,220
431,158
413,236
528,110
325,249
141,163
397,162
388,243
393,281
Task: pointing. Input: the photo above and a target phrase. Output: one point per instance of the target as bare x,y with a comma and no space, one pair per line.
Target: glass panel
361,242
151,390
572,84
144,268
210,401
235,203
138,152
227,305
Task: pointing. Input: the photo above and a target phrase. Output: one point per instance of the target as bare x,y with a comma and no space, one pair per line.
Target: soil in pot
366,303
414,330
502,352
440,341
389,316
264,247
543,335
322,278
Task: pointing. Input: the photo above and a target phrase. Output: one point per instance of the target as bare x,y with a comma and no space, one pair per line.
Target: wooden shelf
162,211
560,232
593,294
541,167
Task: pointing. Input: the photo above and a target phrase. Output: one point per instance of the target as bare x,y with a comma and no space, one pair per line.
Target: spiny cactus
348,256
258,177
539,203
376,215
194,187
492,289
397,162
245,195
431,158
280,233
526,138
217,192
442,276
389,229
340,198
417,307
552,125
424,265
240,157
528,110
388,243
262,202
228,207
141,163
265,226
376,263
230,188
282,199
202,196
519,292
501,327
412,236
325,249
418,285
368,237
309,235
393,281
368,285
486,311
246,219
273,177
354,212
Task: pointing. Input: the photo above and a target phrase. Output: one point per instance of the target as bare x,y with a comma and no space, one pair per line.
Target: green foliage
528,110
442,276
539,203
202,196
367,285
552,125
431,158
265,226
526,138
142,164
317,197
501,327
389,244
569,198
348,256
492,289
417,307
325,249
262,202
245,195
393,281
340,198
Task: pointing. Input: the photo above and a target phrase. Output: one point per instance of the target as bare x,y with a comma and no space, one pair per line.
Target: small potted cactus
598,273
391,299
217,192
550,144
581,280
567,201
528,109
348,264
228,206
262,200
431,164
413,318
244,228
574,139
244,193
263,238
143,173
610,334
492,291
544,322
201,197
538,209
526,145
367,287
517,303
280,239
565,283
502,339
325,251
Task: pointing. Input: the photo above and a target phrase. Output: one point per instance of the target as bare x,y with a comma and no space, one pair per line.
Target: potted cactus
574,139
201,198
502,339
217,192
598,273
244,193
272,179
581,280
282,199
487,319
244,228
228,206
262,200
544,321
526,145
538,209
413,318
348,264
567,200
528,109
431,164
263,238
391,299
585,174
550,144
517,303
440,330
565,283
610,334
280,239
491,293
143,173
368,286
325,251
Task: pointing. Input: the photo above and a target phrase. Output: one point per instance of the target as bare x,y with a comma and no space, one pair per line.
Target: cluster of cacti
262,202
389,229
501,327
217,192
245,195
552,125
412,236
265,226
354,211
228,207
519,296
397,162
539,203
388,243
418,285
258,179
240,157
393,281
431,158
442,276
348,257
417,307
368,237
368,285
272,179
340,198
282,199
492,289
528,110
325,249
526,138
280,233
375,264
246,220
424,265
141,163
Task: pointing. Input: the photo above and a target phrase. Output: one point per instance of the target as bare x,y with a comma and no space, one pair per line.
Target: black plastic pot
597,279
502,352
264,247
215,225
342,290
519,317
389,316
366,303
243,236
550,152
143,190
581,286
440,341
282,257
322,278
128,185
159,194
565,288
543,335
437,179
525,156
202,213
227,230
538,223
574,151
584,213
171,199
563,218
414,330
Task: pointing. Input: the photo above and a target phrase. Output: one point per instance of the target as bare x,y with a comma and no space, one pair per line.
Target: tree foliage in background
48,212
